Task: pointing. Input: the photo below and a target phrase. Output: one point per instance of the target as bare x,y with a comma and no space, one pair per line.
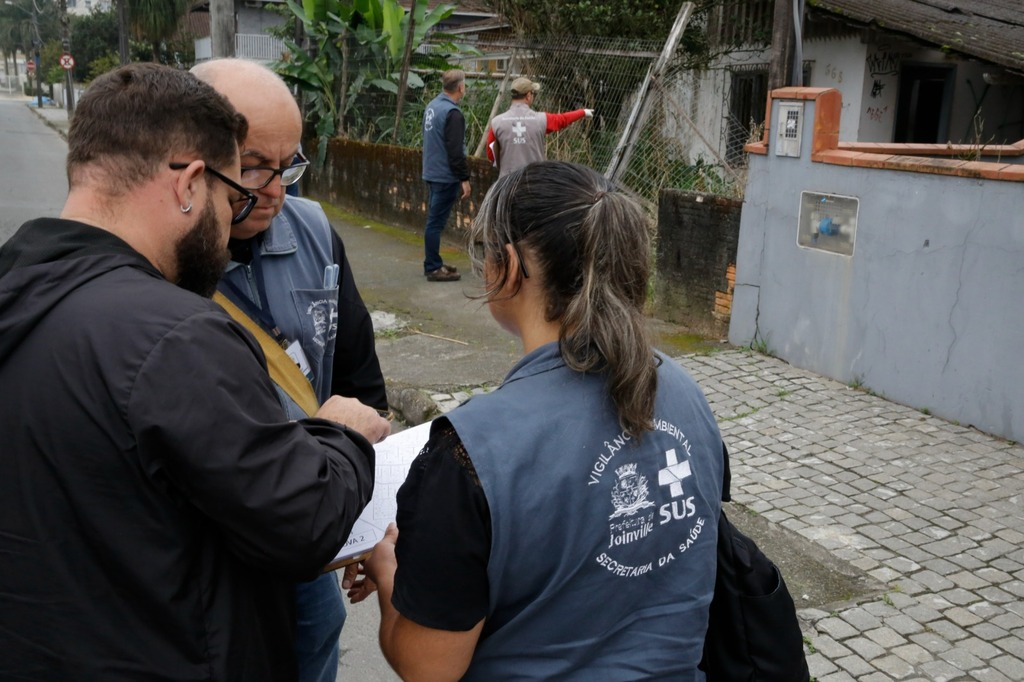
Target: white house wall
839,64
867,75
704,97
880,92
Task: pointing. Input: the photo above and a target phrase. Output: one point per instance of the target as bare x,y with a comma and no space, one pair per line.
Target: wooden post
122,31
404,75
780,71
497,102
222,28
620,157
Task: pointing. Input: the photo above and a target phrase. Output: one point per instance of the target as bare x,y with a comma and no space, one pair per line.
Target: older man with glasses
157,504
290,277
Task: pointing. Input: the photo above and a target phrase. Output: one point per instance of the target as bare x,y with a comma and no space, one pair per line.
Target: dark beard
201,261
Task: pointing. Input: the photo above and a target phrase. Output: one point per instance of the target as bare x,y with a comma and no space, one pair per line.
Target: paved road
32,178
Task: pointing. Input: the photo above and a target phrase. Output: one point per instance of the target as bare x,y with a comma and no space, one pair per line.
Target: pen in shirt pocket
331,276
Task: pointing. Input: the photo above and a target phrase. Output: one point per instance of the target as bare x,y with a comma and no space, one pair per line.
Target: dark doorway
925,100
747,101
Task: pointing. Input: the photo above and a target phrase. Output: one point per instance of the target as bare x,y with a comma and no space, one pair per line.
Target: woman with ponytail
563,526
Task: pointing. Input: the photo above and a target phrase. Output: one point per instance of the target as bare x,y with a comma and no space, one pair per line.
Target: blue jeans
443,196
321,615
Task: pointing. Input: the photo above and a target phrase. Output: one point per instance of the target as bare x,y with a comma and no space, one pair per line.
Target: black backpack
753,632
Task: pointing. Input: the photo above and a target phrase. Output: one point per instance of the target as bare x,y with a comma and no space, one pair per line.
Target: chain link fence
677,146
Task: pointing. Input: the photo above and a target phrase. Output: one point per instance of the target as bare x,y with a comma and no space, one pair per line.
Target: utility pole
69,75
122,31
222,28
780,70
37,42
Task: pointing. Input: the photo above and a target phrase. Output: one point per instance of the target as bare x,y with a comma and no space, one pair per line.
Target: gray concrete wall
929,309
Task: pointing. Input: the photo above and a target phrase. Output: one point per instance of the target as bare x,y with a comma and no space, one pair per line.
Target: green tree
18,24
356,50
156,21
648,19
49,62
93,37
100,65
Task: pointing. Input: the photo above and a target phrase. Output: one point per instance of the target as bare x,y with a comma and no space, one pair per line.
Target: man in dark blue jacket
444,168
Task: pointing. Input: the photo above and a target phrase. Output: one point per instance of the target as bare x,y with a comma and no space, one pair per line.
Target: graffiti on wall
876,113
885,61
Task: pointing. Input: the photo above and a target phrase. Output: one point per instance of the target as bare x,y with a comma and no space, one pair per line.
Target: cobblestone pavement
930,509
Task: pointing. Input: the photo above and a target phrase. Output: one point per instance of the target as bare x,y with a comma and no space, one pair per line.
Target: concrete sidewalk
901,535
55,117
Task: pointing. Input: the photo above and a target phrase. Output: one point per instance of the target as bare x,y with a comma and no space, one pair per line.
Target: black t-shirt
444,540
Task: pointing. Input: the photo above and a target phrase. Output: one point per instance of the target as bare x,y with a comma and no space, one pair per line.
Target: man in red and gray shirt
516,137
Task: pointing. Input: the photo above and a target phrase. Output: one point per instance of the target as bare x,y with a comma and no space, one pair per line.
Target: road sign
30,66
67,62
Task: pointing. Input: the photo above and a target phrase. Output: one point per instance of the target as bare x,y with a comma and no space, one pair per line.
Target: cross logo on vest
519,129
672,476
674,473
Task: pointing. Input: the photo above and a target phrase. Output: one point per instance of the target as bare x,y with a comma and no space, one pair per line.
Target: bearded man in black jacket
156,504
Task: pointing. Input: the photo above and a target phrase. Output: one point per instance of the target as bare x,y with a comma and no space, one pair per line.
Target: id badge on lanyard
298,356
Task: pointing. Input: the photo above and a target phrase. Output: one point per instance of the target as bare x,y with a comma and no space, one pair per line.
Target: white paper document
394,456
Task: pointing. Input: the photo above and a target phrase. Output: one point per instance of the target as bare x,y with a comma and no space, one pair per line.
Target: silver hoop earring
186,209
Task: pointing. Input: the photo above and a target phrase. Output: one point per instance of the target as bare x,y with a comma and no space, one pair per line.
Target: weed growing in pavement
760,345
809,644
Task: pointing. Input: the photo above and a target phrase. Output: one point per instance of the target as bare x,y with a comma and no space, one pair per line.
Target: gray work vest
521,134
602,563
294,251
435,153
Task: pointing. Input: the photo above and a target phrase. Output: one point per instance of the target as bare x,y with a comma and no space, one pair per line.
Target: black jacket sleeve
210,431
356,371
454,142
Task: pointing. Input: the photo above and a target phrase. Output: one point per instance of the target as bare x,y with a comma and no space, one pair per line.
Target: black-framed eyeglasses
258,177
250,198
480,254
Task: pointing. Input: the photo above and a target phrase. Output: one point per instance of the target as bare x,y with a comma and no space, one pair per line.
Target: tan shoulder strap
283,370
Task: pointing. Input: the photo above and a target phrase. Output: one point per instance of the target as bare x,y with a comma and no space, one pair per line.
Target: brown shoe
443,275
449,268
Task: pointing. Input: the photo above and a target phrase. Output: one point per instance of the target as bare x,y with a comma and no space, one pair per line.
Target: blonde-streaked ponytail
592,245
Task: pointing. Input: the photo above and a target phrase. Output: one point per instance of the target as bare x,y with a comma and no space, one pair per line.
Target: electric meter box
828,222
790,128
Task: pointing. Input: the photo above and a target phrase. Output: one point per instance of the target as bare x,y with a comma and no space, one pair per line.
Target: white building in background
87,6
909,71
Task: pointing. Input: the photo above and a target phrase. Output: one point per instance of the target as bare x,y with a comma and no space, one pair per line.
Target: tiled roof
992,30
